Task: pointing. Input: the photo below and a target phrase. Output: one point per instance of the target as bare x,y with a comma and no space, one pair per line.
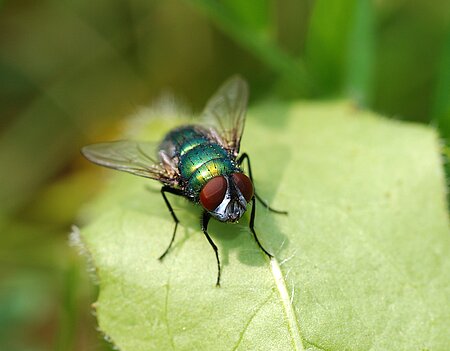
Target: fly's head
226,197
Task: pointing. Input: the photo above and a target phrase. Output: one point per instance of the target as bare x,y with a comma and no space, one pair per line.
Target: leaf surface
362,259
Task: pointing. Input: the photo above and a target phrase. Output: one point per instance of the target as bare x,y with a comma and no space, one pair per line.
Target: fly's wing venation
139,158
225,112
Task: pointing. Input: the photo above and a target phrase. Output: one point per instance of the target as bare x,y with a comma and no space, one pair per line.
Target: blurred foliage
71,70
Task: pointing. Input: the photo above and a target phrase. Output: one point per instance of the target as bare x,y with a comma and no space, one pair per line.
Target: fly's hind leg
240,160
167,189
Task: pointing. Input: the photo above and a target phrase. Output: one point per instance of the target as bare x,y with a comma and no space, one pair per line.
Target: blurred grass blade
440,115
250,25
254,13
69,314
326,43
441,108
359,65
340,48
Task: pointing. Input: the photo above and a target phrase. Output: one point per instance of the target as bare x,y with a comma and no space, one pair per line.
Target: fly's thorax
202,163
198,158
226,197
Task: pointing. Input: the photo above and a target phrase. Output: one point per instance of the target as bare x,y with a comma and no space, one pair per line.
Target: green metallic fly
198,162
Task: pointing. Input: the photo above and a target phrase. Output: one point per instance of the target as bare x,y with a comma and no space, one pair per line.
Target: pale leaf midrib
288,308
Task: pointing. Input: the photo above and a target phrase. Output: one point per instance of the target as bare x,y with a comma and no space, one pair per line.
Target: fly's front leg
252,228
205,220
167,189
253,213
240,160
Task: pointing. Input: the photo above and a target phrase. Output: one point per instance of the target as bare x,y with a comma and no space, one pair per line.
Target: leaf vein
241,337
166,316
316,346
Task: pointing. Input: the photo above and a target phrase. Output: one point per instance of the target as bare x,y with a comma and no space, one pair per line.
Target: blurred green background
70,71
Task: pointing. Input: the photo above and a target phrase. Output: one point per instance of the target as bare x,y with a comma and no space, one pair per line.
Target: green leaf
362,259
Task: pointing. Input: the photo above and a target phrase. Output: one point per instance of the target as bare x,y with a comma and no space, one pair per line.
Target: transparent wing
135,157
225,112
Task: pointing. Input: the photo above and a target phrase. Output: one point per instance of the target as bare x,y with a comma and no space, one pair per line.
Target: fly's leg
252,228
266,205
167,189
205,220
253,213
240,160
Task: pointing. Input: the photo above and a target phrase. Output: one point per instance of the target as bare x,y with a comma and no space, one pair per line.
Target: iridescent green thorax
199,158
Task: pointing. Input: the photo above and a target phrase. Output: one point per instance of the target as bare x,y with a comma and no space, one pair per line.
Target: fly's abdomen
181,140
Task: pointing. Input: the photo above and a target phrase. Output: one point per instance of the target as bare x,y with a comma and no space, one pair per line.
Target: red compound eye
244,184
213,193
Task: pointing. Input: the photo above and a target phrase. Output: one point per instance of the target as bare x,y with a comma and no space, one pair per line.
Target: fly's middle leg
166,189
240,160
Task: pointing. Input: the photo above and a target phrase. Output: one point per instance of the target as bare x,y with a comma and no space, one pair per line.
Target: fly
199,162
